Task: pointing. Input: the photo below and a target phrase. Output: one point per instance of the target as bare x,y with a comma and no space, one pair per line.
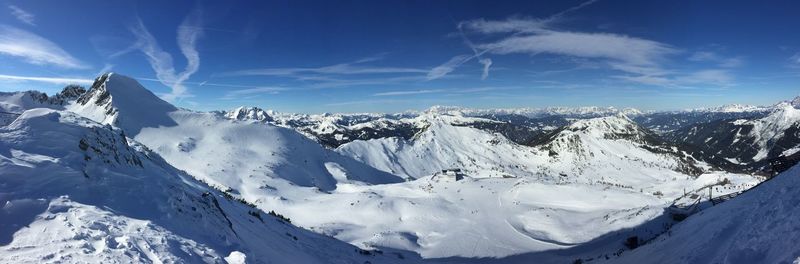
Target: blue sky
388,56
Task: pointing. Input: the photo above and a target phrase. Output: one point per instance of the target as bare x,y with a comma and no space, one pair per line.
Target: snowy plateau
114,174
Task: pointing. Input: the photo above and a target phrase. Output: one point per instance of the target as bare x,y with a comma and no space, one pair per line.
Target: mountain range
115,173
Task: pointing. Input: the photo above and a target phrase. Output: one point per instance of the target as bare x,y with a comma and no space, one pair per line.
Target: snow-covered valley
114,173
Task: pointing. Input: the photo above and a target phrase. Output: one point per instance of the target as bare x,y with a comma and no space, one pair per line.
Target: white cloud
448,67
22,15
388,101
486,64
397,93
643,61
795,59
517,24
703,56
618,48
351,68
484,89
707,56
710,77
35,49
714,76
46,79
451,65
510,25
188,32
236,94
450,91
535,36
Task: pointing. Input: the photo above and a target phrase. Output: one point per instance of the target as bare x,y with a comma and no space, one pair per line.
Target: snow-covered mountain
249,113
122,102
752,144
123,175
241,156
667,122
664,122
732,108
794,102
569,153
514,199
277,168
13,104
521,125
574,112
76,191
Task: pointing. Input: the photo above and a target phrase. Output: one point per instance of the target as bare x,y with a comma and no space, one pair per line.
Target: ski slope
76,191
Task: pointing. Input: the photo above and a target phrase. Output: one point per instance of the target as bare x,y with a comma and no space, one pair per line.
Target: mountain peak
121,101
614,124
249,113
795,102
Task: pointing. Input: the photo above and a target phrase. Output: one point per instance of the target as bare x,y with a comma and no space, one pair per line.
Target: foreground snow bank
759,226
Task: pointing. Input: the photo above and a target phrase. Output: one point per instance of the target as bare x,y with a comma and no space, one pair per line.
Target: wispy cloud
359,72
350,68
716,77
487,63
519,24
387,101
46,79
449,91
557,16
614,51
451,65
708,56
396,93
485,89
795,59
22,15
510,25
704,78
239,89
612,47
236,94
641,61
106,68
448,67
35,49
189,32
519,27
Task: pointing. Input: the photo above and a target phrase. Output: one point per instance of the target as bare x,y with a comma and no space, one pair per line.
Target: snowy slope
240,155
606,149
487,217
516,199
112,93
75,191
759,226
14,103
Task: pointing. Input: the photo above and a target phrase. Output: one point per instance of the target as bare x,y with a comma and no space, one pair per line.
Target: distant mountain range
689,129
